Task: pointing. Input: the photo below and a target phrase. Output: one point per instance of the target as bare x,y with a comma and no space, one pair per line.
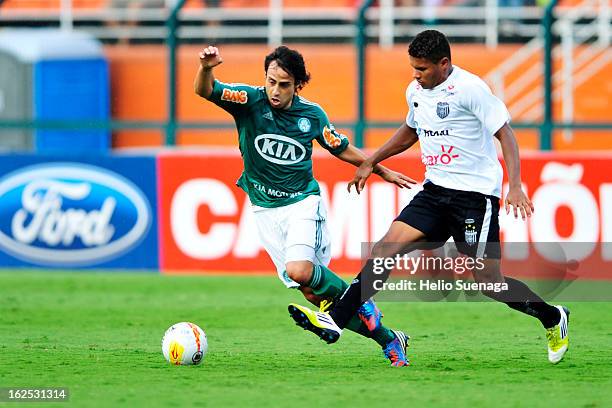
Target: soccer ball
184,343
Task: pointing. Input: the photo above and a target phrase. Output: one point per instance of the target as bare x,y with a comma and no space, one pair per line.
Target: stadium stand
241,21
330,25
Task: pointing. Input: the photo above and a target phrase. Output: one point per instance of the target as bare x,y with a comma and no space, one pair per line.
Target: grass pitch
99,335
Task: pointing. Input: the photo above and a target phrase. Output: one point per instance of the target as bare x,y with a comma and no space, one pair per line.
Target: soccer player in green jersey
276,129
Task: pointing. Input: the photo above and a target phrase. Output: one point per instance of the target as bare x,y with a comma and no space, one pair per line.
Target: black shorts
470,218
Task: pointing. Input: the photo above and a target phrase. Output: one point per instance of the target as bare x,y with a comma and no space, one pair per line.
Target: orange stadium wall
139,90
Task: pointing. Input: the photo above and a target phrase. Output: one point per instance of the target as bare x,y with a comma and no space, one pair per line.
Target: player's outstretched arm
205,80
356,157
516,197
403,138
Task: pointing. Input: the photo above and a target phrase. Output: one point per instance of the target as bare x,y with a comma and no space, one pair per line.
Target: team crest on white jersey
470,231
304,125
442,109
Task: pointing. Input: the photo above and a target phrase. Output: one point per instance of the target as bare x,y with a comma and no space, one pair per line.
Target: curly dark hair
290,61
431,45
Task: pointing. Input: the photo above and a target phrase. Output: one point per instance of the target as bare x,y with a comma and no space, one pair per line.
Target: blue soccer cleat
395,350
370,315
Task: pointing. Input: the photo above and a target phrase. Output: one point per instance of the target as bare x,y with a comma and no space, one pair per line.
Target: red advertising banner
206,223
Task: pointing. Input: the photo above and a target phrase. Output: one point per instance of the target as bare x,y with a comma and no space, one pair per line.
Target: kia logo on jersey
70,214
279,149
442,109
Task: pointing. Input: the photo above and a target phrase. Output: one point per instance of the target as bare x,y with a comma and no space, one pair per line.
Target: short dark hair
431,45
290,61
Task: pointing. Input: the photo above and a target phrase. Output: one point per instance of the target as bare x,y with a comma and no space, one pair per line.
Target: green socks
326,283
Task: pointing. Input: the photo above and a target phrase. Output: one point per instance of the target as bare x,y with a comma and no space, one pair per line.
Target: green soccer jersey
276,144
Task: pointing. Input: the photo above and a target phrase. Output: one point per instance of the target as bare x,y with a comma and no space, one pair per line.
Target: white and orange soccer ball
184,343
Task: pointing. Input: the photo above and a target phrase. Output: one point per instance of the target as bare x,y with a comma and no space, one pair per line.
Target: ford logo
70,214
279,149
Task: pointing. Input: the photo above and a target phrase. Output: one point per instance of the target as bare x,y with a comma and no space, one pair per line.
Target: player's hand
210,57
361,175
396,178
518,200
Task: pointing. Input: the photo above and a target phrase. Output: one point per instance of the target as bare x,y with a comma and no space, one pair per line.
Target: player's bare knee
489,274
384,250
300,272
377,251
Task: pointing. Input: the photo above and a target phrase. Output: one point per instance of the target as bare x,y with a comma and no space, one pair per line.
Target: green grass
99,335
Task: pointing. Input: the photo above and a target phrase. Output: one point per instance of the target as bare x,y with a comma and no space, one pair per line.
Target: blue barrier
72,90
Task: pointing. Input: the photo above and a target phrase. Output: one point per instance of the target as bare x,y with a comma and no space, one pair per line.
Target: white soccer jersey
455,122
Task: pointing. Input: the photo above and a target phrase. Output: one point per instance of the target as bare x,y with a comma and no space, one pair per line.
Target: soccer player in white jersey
276,129
454,116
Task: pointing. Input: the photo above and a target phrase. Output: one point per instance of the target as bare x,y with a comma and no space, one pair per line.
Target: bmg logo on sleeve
70,214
